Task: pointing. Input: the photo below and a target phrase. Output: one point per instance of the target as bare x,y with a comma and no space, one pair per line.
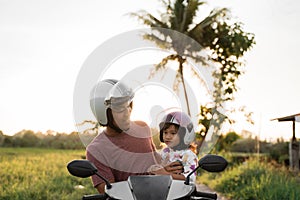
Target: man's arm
175,176
105,171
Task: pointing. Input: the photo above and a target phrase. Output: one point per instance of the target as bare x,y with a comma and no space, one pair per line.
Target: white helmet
108,93
186,128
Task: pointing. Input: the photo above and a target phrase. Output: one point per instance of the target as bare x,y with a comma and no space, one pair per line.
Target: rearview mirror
84,169
213,163
81,168
210,163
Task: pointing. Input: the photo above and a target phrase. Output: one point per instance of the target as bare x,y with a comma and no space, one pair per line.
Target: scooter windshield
151,89
150,187
144,147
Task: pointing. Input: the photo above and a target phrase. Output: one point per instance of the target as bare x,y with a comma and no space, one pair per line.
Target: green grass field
254,180
32,173
28,173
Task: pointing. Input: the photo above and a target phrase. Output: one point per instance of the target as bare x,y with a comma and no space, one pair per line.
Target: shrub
254,180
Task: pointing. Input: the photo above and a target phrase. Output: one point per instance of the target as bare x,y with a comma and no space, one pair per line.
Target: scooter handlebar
95,197
209,196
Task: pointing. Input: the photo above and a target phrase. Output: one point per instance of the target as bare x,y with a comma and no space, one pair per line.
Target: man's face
121,114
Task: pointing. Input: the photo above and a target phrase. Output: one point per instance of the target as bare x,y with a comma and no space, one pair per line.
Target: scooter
149,187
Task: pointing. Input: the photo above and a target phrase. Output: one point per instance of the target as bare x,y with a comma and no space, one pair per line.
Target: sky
44,43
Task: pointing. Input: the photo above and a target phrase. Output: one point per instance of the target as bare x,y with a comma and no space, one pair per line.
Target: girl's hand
174,167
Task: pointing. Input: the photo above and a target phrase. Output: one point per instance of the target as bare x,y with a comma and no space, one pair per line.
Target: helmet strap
110,121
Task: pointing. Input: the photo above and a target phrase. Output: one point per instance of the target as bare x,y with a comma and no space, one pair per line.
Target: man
124,147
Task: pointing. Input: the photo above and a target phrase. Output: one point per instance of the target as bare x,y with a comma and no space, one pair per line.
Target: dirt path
204,188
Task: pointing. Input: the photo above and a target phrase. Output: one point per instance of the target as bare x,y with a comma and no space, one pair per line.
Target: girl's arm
190,161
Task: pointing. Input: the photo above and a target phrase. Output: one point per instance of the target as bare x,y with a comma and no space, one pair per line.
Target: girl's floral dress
187,157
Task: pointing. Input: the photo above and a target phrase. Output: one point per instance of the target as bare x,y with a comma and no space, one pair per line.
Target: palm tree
225,41
177,18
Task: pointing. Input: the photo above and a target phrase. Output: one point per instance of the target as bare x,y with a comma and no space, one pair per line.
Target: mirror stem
187,180
108,185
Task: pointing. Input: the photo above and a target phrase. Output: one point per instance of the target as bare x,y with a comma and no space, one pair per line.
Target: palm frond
94,129
177,82
183,13
197,31
149,19
189,14
204,60
177,15
162,64
157,23
160,42
164,61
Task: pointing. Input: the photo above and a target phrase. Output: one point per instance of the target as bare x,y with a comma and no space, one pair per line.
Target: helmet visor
119,104
119,97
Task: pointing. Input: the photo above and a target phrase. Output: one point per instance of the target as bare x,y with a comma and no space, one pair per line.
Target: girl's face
170,136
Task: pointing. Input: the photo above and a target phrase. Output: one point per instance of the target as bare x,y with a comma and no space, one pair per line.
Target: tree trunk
181,61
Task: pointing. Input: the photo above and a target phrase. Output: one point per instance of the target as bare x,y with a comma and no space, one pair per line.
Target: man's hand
171,168
174,169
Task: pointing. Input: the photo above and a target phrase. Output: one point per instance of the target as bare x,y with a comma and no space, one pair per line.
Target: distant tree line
51,139
233,142
230,142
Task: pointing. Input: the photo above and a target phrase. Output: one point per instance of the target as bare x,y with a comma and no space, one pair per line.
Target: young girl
177,132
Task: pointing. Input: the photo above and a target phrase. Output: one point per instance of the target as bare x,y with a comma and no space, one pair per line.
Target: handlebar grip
206,195
94,197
